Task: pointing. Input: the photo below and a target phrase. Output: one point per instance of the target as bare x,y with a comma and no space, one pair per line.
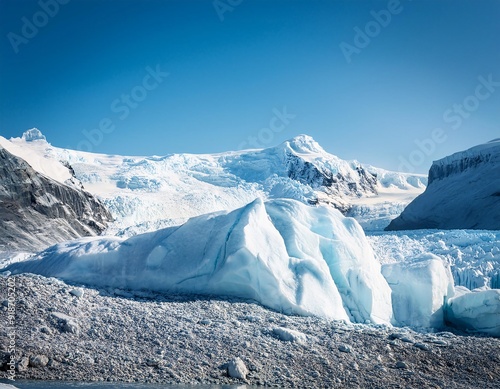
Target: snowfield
147,193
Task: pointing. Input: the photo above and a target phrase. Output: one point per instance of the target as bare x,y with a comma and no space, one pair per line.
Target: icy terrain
147,193
478,310
412,263
473,256
463,193
288,256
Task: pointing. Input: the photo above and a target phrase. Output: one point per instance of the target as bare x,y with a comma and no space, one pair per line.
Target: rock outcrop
37,211
463,193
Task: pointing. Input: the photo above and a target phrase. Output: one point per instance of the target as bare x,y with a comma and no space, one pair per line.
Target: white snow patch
39,156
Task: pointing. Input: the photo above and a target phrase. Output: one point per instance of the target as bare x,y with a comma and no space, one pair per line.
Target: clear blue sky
227,76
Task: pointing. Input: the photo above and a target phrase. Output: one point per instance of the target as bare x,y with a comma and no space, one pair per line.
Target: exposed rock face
463,193
305,162
359,183
36,211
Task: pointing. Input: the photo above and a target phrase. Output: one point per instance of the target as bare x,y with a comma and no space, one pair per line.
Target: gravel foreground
64,332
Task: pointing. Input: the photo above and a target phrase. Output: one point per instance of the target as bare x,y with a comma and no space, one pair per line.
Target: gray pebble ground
65,332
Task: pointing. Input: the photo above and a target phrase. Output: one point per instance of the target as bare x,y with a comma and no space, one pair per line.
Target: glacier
268,225
475,311
473,256
145,193
288,256
420,290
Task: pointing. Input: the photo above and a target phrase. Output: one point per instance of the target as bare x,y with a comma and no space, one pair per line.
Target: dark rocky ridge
462,193
37,211
307,173
439,171
335,186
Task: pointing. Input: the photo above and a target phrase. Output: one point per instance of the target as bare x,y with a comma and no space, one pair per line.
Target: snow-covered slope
30,148
289,256
146,193
463,193
37,211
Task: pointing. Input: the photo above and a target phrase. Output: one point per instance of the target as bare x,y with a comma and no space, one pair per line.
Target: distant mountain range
147,193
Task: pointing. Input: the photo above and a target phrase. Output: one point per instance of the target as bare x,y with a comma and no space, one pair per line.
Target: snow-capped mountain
463,193
37,211
147,193
275,237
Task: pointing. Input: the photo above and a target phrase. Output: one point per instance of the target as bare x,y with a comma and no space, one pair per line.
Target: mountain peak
33,134
304,144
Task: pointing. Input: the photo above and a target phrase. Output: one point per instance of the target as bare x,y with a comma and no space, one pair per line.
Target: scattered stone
77,292
401,365
252,318
38,361
236,368
161,340
67,323
315,374
206,322
422,346
380,367
23,364
152,362
288,335
345,348
438,342
45,330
